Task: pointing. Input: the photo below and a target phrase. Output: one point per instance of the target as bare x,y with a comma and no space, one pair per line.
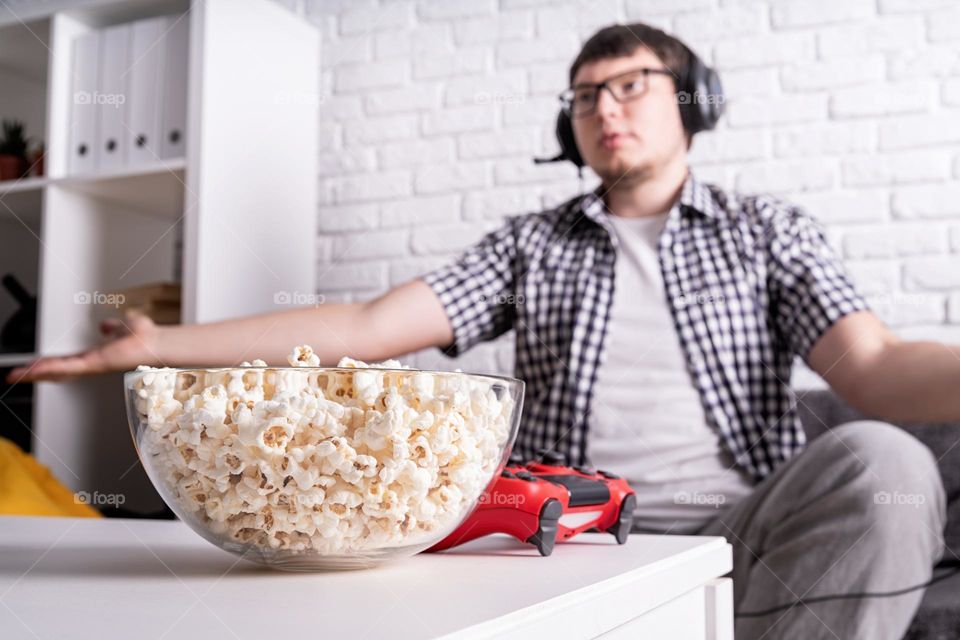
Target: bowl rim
129,374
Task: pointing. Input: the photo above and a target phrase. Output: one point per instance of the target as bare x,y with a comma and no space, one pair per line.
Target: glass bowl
316,468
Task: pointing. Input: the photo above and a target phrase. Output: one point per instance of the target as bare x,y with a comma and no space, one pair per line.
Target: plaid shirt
750,282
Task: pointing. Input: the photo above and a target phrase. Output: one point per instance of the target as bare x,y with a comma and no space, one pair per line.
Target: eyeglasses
581,100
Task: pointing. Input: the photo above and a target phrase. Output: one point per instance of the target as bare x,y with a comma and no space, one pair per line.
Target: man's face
630,140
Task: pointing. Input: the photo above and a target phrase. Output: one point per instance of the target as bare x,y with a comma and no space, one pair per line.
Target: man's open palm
130,342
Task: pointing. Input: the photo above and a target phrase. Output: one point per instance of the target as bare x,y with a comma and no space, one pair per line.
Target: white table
79,578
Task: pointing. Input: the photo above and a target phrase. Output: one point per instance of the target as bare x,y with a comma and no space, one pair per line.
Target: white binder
174,115
112,97
144,77
83,113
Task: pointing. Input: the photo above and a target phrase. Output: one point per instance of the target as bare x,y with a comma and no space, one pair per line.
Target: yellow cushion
27,488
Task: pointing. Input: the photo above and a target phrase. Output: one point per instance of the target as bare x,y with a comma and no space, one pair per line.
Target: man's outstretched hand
130,342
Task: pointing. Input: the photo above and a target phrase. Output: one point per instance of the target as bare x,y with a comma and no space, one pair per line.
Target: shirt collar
695,196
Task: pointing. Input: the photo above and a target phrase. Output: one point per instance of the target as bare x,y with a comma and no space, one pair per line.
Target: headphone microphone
568,146
557,158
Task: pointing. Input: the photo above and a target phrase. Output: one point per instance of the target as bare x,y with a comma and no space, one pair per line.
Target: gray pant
861,509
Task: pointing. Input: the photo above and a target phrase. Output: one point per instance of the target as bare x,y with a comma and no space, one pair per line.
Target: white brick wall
851,108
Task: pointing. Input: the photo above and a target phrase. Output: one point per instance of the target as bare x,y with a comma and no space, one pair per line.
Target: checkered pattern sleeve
477,289
810,288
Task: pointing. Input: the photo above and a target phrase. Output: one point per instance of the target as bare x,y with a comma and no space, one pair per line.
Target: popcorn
368,386
329,461
303,356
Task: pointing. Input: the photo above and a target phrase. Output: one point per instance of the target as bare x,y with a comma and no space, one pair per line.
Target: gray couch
939,614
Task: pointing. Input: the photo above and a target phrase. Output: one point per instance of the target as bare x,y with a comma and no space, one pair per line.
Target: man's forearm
333,330
407,318
913,382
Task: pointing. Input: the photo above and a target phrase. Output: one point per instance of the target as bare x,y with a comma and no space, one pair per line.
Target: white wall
432,111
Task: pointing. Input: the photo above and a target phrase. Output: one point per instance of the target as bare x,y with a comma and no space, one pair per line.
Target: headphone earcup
700,97
568,145
713,106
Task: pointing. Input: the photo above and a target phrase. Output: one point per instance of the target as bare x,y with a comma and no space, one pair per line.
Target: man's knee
886,450
900,483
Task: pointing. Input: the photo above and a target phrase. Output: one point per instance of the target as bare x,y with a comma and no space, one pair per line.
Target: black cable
848,596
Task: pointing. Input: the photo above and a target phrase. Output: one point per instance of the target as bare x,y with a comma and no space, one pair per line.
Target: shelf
173,165
156,188
20,231
24,49
24,65
99,232
23,204
15,359
23,184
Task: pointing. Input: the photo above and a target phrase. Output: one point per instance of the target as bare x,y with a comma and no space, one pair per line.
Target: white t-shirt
647,422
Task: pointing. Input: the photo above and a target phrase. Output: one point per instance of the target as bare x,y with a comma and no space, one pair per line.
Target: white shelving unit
242,201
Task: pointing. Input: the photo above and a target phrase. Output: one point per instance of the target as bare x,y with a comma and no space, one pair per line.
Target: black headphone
699,96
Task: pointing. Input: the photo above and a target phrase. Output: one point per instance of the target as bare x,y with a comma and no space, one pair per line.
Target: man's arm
884,376
820,315
407,318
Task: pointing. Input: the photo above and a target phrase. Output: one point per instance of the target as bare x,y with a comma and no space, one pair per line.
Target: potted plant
13,150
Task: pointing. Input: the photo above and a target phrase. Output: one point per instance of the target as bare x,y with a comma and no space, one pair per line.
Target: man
656,323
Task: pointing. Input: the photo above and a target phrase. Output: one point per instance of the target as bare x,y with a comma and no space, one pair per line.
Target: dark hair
624,39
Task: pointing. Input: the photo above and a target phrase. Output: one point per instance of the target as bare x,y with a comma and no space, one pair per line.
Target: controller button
507,474
526,475
586,470
608,475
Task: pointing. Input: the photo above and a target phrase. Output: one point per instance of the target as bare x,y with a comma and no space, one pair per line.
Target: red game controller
543,501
